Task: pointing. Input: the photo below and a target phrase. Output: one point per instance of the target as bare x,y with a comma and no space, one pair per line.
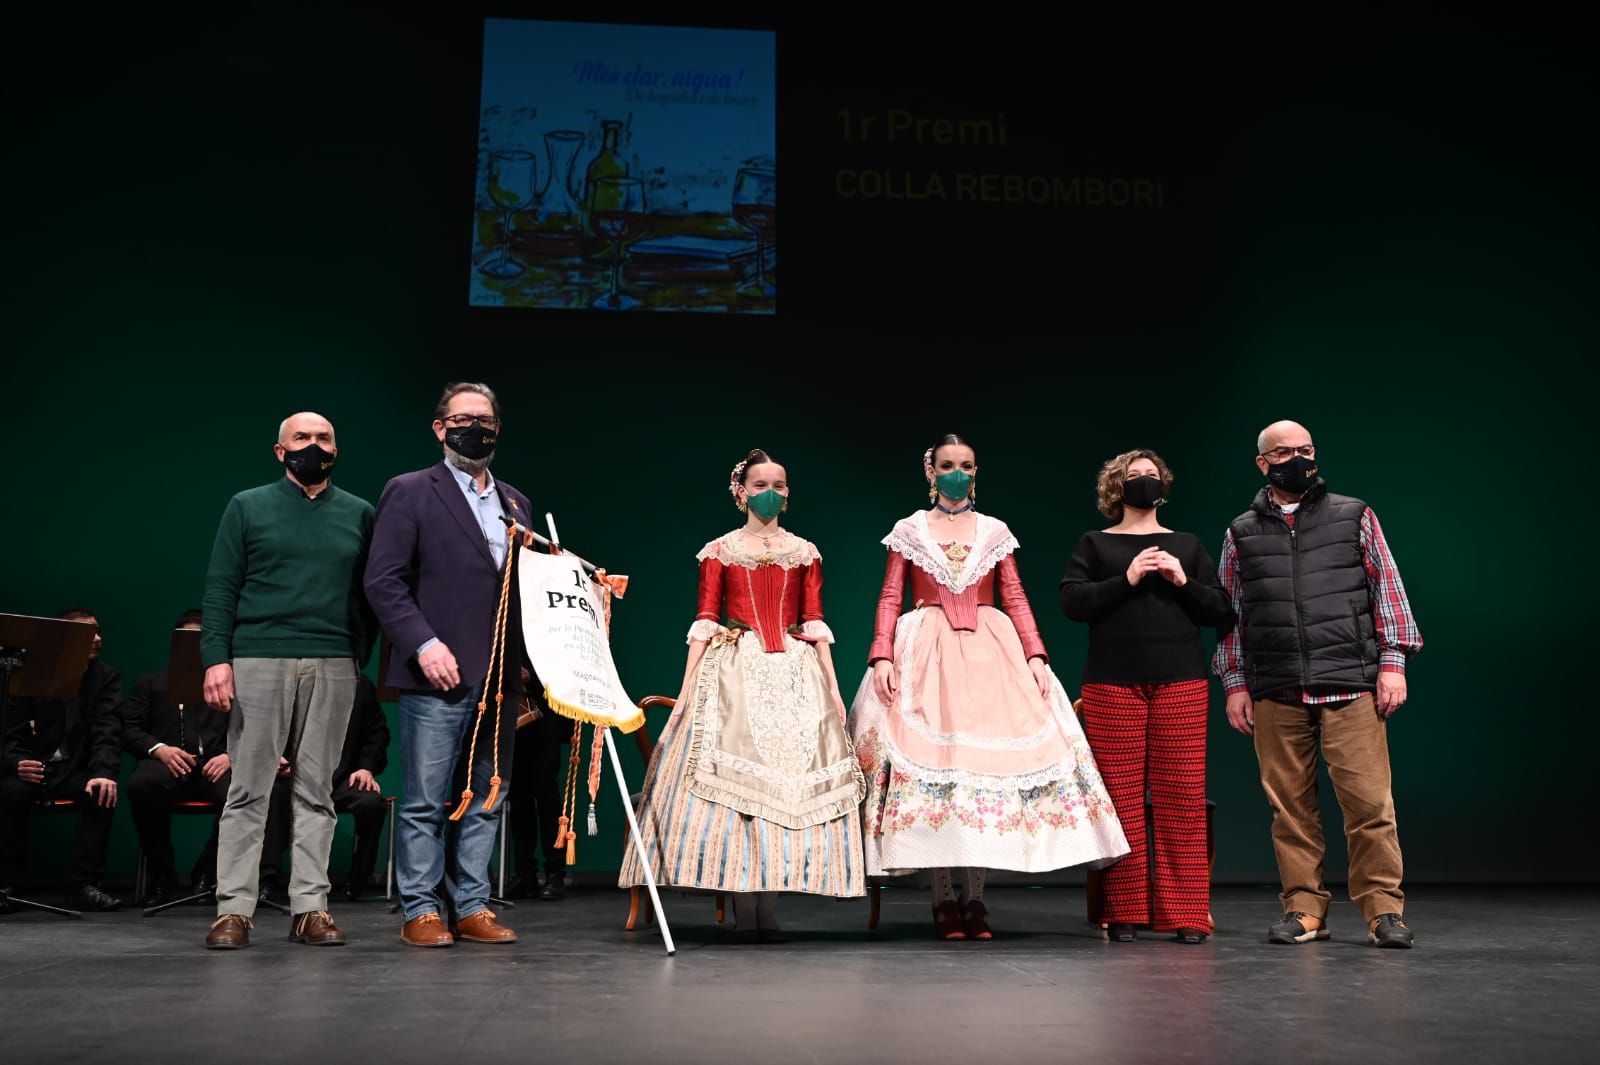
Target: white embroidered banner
564,627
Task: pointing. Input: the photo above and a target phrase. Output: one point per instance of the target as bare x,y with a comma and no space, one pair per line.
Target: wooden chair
1094,884
646,749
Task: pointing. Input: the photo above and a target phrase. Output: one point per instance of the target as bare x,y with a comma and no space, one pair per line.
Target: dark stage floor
1501,974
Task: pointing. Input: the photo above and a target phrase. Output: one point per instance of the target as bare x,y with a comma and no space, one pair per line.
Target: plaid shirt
1397,632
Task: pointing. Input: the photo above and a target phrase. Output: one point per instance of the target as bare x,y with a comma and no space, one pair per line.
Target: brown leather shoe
426,931
315,929
481,927
231,931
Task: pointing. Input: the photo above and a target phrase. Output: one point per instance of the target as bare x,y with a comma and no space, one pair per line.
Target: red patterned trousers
1152,738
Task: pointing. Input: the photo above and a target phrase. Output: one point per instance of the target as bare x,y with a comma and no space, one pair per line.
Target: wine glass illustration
755,206
510,184
616,212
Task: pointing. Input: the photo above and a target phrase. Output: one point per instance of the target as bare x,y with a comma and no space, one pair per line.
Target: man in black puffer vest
1317,657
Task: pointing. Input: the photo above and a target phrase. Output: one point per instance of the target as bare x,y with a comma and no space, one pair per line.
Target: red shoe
947,923
976,917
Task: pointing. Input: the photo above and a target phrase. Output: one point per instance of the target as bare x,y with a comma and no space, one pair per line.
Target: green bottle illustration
608,163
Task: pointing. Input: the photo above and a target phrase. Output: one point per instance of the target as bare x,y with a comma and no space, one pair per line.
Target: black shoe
1120,933
554,888
270,890
1292,930
1190,935
5,901
522,887
163,889
1391,931
204,881
89,897
353,890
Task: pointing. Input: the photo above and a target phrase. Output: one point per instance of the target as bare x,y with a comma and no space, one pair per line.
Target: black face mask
310,465
1143,492
1295,475
471,441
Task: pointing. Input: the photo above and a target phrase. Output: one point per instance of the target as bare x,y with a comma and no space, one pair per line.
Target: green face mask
766,505
955,484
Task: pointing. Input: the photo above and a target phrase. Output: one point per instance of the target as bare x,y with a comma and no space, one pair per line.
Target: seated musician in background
182,756
355,792
65,749
536,815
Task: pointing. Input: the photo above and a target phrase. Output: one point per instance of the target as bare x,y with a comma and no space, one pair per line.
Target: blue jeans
434,736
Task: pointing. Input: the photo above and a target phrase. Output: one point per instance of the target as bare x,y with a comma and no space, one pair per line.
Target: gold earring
741,505
785,507
933,493
972,493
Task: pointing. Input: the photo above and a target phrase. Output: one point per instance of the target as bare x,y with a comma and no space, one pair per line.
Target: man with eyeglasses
1317,658
434,581
283,633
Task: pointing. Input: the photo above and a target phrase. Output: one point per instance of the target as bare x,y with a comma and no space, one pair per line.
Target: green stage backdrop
1391,240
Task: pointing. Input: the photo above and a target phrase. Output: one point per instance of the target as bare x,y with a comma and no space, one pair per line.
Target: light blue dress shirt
486,508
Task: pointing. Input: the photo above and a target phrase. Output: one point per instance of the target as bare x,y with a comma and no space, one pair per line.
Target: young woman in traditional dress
973,757
754,788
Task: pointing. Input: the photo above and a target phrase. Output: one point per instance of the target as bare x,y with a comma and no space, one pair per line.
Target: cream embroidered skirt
754,785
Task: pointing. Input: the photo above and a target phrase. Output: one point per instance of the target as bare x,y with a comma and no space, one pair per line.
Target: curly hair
1115,472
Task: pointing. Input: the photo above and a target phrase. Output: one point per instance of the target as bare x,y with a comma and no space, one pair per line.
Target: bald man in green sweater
285,631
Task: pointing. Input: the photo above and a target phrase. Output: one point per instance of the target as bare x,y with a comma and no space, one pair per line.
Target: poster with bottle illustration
626,168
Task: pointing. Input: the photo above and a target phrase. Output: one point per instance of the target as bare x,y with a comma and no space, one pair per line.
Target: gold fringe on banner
576,713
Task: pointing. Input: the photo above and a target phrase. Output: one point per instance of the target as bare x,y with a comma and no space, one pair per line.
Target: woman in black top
1145,592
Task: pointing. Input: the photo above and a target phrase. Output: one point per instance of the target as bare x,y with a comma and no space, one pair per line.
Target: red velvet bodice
768,598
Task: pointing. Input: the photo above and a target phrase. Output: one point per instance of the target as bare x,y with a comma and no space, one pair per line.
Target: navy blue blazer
430,575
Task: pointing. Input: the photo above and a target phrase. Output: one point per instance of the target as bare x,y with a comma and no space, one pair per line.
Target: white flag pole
639,847
627,804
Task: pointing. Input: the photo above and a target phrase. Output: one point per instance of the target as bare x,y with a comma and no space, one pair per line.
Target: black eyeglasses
1284,454
461,421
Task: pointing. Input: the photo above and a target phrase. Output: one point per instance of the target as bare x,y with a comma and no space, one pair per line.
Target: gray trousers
283,704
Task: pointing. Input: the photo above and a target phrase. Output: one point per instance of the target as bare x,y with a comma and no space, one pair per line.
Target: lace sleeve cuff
817,630
703,630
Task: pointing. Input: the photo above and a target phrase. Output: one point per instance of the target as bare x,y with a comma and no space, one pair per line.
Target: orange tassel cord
496,678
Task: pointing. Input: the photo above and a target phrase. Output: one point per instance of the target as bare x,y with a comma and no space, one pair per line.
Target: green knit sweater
285,577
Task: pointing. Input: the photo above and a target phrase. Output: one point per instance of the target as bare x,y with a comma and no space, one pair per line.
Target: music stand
41,658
